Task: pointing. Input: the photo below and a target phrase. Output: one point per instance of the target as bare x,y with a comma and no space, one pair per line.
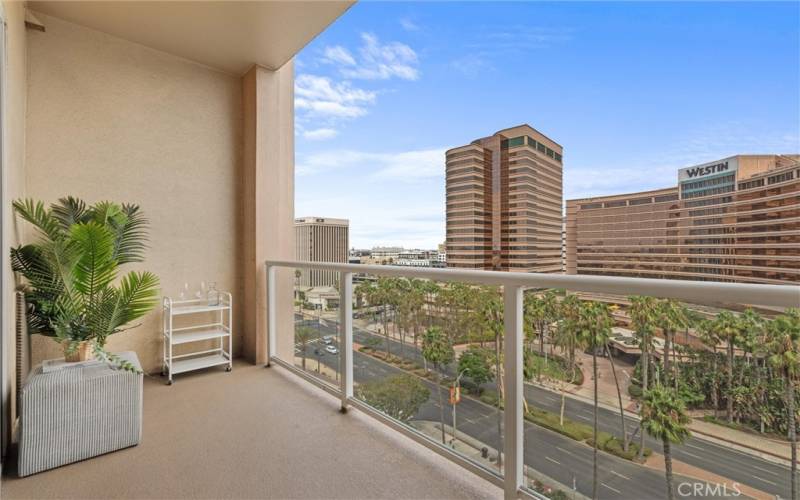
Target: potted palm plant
73,290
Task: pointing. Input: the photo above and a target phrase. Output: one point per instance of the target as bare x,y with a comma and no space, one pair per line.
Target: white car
331,349
327,340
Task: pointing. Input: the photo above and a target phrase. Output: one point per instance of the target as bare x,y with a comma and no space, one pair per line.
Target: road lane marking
612,489
765,470
691,455
565,451
620,475
765,480
585,418
694,446
554,461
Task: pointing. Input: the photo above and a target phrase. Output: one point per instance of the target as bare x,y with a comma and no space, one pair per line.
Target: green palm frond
130,235
69,211
105,212
40,217
96,268
138,294
71,272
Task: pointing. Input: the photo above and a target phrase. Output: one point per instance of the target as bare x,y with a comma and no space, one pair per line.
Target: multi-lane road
564,459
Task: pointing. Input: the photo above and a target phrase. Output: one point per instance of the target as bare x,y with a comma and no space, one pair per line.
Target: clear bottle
213,294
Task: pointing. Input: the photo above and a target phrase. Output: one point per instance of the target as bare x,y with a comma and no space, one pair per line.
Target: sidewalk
752,444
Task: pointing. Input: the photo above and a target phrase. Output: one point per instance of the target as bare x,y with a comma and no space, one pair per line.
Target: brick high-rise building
321,239
735,219
504,202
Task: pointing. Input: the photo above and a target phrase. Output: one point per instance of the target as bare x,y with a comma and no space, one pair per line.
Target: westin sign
729,165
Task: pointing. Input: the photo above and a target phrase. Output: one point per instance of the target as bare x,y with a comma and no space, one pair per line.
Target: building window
774,179
516,141
589,206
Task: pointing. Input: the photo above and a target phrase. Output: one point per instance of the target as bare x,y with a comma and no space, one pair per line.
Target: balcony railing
513,284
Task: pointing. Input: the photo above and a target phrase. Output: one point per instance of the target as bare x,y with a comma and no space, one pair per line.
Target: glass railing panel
408,338
316,324
689,366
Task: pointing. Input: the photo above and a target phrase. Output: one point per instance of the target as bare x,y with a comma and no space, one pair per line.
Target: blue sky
632,91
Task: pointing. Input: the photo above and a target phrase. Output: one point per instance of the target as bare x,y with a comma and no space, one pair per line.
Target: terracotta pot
83,352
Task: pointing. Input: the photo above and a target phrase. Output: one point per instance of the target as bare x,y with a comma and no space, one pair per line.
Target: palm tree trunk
441,403
619,398
594,431
668,469
645,380
792,425
666,357
729,410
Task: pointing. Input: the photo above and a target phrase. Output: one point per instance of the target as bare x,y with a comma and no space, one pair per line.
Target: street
565,459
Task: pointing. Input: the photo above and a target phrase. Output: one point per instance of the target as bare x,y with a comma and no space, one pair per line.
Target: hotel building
504,202
321,239
735,220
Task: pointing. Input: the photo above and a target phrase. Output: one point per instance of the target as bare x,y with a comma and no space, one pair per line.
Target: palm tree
643,314
303,335
437,349
664,417
593,326
709,337
728,327
784,346
490,305
671,316
566,339
540,311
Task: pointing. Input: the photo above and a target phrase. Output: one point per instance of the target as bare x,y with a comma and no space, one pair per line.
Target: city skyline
389,87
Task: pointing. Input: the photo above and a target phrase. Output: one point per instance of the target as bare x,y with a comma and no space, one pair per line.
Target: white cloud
406,166
408,24
338,54
376,60
320,134
319,96
420,224
660,170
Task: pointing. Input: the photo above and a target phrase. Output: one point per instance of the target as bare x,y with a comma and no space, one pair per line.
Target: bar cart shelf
219,330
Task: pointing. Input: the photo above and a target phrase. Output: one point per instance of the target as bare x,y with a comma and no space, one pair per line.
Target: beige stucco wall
13,178
110,119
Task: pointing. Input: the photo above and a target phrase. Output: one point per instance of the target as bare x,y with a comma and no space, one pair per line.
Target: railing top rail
699,292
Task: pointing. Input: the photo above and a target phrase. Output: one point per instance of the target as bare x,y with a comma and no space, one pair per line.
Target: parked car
327,340
332,349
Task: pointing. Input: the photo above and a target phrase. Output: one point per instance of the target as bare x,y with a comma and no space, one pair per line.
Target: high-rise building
735,219
504,202
321,239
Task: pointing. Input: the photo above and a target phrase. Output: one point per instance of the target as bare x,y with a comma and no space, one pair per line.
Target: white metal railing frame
514,284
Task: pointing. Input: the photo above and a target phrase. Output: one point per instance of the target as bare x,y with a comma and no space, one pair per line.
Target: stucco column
268,205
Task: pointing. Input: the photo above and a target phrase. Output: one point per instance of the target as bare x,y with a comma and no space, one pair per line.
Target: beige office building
504,202
735,220
320,239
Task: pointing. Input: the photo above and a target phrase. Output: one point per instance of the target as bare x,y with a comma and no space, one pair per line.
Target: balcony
187,109
513,445
254,433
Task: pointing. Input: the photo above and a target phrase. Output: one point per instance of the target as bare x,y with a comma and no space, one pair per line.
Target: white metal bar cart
219,330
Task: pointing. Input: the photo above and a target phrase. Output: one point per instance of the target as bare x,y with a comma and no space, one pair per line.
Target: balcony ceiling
229,36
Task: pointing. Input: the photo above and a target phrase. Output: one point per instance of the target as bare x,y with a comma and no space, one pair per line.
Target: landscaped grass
553,367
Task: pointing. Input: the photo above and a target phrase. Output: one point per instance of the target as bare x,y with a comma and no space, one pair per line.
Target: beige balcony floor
255,433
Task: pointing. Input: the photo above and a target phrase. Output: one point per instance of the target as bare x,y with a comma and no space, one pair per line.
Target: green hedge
548,420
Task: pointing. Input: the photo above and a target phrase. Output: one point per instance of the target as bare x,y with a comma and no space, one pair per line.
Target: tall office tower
321,239
733,220
504,202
